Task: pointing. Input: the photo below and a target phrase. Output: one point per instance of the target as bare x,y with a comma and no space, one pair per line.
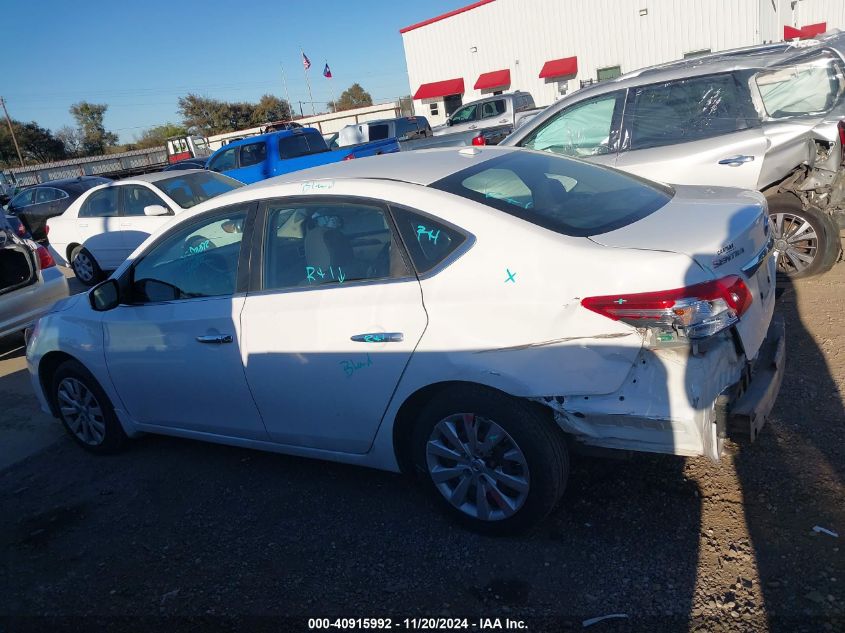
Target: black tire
822,249
526,427
111,438
85,267
835,248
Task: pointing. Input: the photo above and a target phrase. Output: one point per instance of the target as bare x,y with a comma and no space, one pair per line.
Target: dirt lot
178,534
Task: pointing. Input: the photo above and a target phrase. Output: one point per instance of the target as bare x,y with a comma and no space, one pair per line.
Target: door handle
125,224
216,339
503,120
84,226
736,161
379,337
472,127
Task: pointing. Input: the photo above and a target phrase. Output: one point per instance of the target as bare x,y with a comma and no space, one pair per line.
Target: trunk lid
724,231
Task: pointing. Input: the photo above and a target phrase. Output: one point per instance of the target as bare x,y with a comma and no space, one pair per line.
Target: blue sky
139,57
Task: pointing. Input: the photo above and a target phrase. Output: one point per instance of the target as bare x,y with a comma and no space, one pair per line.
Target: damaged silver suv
769,117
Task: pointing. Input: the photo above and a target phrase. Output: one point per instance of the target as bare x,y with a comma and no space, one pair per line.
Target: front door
333,324
135,225
464,119
173,350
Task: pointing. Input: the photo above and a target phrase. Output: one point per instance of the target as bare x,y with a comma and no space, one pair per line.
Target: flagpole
308,83
331,90
287,95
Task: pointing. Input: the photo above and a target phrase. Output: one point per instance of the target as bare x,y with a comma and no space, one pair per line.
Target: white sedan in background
471,315
100,229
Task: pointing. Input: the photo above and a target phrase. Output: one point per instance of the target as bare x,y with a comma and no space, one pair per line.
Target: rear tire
85,267
802,236
495,463
85,410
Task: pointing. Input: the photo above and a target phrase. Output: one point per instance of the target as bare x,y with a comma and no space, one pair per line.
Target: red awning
493,79
805,32
440,89
560,67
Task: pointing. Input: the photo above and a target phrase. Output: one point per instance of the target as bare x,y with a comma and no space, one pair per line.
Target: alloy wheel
796,242
477,466
81,411
83,267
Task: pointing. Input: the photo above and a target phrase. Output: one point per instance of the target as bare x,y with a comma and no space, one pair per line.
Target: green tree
353,97
270,108
37,144
156,136
89,121
207,116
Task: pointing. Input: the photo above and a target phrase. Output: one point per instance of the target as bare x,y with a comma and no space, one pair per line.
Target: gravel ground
174,534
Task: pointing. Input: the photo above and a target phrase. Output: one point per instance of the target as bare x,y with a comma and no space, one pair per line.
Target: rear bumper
748,413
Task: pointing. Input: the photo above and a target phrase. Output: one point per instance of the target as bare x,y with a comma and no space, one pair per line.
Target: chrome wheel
796,242
477,467
83,266
81,411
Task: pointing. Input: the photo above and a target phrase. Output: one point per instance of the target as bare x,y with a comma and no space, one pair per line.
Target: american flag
327,72
305,61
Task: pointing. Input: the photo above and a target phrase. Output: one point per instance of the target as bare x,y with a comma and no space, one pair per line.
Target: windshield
563,195
188,190
813,86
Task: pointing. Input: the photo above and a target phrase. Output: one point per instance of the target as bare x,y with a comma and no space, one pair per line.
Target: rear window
86,183
301,145
813,86
188,190
559,194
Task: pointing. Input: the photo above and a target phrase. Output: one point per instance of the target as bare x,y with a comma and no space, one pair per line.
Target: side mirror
105,296
448,122
156,209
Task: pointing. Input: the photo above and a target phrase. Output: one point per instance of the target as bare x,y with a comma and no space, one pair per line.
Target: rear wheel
493,462
802,237
85,410
85,267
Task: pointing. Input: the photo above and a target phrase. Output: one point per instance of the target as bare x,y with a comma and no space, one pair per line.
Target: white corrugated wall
521,35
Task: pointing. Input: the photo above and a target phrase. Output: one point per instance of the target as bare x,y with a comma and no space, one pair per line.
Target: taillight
696,311
841,127
44,258
46,229
479,140
349,157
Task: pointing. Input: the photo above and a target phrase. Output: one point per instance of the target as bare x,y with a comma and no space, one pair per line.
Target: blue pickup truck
266,155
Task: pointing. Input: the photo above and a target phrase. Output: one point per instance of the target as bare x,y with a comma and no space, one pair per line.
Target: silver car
30,282
768,117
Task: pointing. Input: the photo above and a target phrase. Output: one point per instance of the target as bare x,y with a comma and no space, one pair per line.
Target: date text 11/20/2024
418,624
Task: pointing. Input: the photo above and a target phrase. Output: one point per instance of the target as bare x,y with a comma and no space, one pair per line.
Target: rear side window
301,145
101,204
429,242
253,154
379,132
687,110
563,195
810,87
492,108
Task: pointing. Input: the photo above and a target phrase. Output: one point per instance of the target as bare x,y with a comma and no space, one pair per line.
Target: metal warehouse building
551,47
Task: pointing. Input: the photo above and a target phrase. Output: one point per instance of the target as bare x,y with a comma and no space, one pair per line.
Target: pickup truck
266,155
401,128
498,110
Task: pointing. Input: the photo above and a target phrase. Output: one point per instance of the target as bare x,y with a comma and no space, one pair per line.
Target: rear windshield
188,190
563,195
86,184
812,86
301,145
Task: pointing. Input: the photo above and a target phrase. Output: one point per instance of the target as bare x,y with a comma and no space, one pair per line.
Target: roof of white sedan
421,167
158,175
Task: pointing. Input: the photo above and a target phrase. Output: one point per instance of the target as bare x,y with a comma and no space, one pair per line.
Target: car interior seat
181,196
327,247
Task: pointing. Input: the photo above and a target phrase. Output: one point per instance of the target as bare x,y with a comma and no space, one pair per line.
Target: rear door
98,227
333,318
694,131
494,113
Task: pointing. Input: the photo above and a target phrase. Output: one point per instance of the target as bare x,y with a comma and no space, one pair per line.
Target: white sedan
471,315
103,226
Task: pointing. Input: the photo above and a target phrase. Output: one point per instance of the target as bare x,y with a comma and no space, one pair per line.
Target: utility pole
11,131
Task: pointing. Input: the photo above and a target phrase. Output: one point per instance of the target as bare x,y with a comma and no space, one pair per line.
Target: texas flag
305,61
327,72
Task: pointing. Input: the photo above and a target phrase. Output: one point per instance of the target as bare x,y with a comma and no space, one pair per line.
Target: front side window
811,87
429,241
492,109
317,244
301,145
253,154
101,204
137,197
465,114
197,260
563,195
583,129
188,190
225,160
687,110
